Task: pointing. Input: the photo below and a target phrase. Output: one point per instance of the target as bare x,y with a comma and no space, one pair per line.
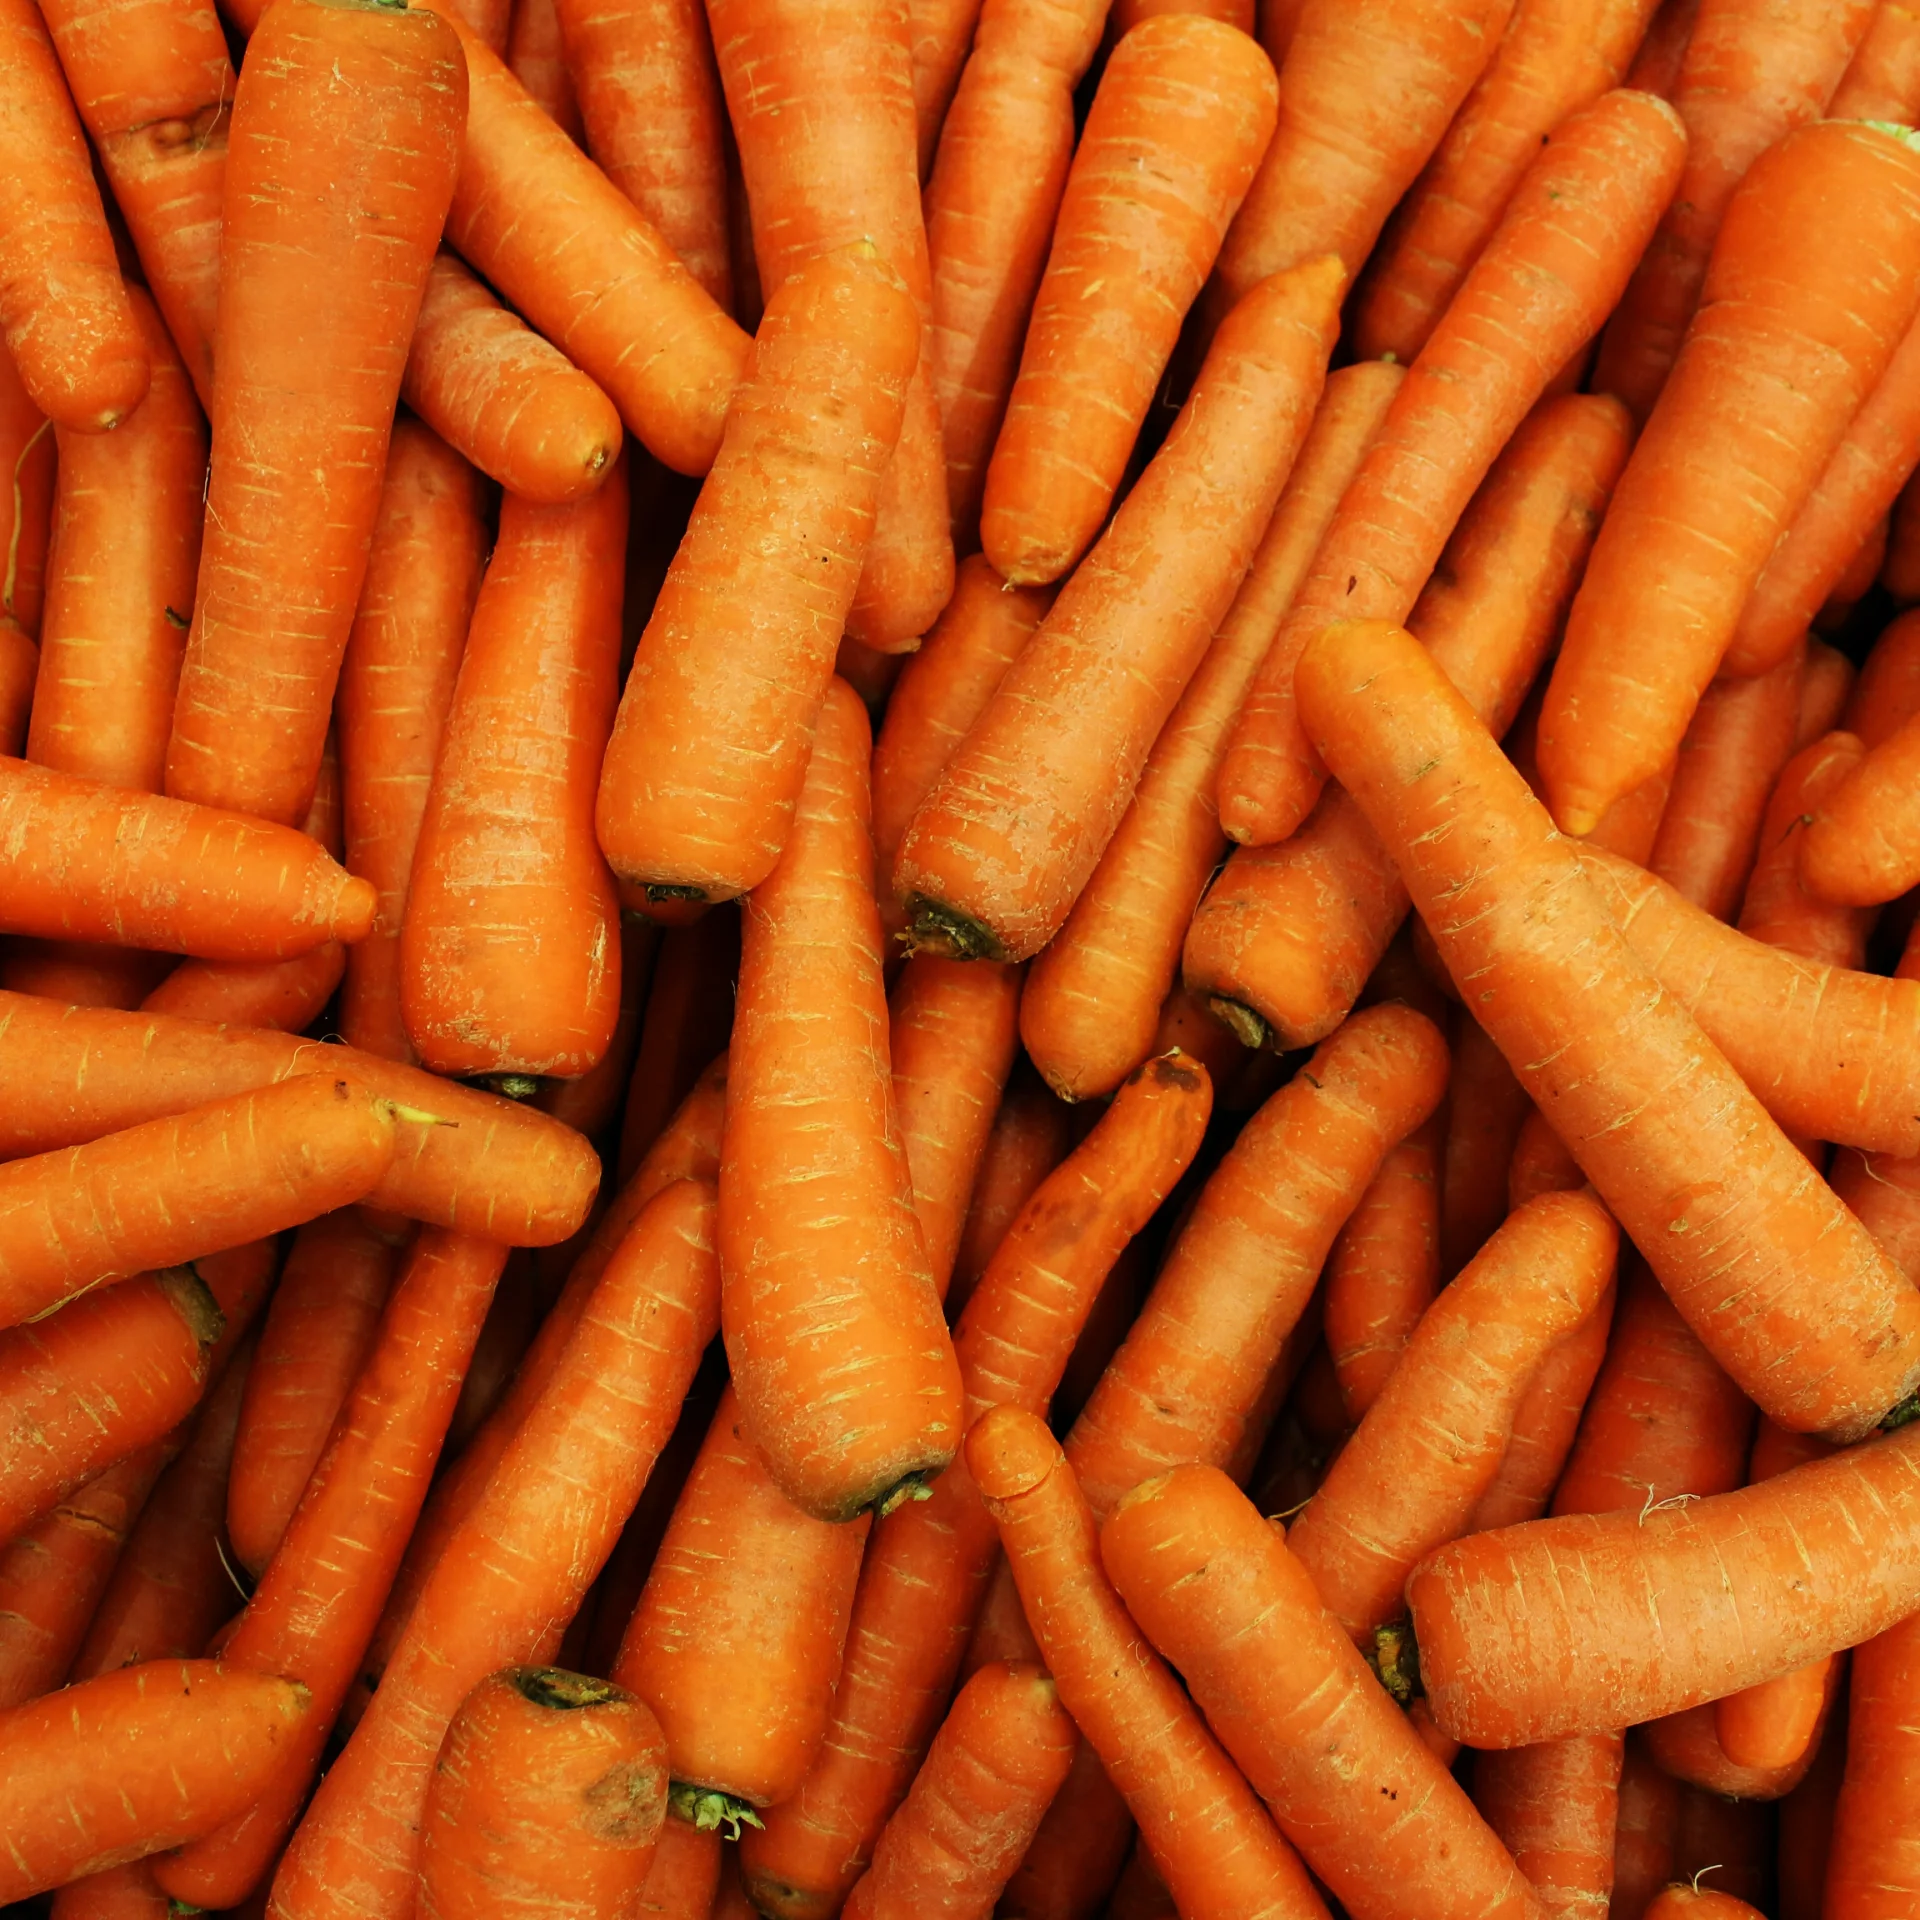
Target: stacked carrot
699,707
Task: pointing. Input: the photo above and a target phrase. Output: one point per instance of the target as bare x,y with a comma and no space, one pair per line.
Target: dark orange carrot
688,1016
1777,907
1804,1823
1688,1900
538,60
1871,1869
1826,688
1029,1139
1074,1858
592,1103
684,1881
1486,1108
118,1893
1647,1833
1858,847
1554,1807
26,507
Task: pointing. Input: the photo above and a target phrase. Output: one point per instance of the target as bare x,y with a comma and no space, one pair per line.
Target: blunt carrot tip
563,1691
708,1811
946,934
1240,1020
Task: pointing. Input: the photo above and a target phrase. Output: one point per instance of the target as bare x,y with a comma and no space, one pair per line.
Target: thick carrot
1709,490
817,182
1750,73
1554,60
64,313
1215,1589
537,59
1186,1383
1778,908
688,1016
1016,824
1077,1851
1030,1137
1216,1844
504,397
1687,1159
517,1568
737,1639
320,283
509,950
644,76
153,87
1874,1868
1554,266
939,38
710,748
548,1798
1554,1808
999,1758
1183,113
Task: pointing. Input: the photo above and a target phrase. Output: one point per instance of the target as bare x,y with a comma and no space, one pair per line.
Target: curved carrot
64,313
688,1016
939,36
1187,103
1796,1707
548,1797
1219,1849
1709,490
1778,909
1871,1870
1029,1138
501,395
1013,829
509,954
1554,1808
709,752
1077,1851
1217,1592
1553,267
1686,1158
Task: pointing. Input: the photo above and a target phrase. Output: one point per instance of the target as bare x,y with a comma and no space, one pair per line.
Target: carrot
518,1566
1554,60
994,860
538,61
548,1798
1216,1591
1554,1808
1092,1002
64,313
1820,1327
1077,1851
1750,74
27,478
1859,841
1687,1744
1778,909
1384,1270
644,76
1029,1138
1887,693
1740,738
1689,1901
120,1893
1646,1852
737,1639
1185,1384
1219,1849
688,1016
592,1103
710,748
1805,1826
1540,1163
999,1758
1882,82
817,182
684,1881
991,206
1553,267
509,954
1187,103
1486,1108
1872,1869
939,38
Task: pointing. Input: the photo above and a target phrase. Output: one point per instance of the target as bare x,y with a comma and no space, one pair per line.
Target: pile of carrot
960,958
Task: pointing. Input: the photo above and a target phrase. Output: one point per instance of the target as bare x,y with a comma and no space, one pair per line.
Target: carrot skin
1030,1137
1077,1852
1555,1807
1871,1869
689,1014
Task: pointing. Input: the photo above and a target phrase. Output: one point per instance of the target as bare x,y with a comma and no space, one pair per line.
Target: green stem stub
511,1086
565,1692
706,1810
949,934
1396,1660
916,1486
1904,1413
1240,1020
665,892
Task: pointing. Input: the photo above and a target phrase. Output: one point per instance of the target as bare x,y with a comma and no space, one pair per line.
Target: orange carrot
1750,73
1217,1592
1872,1870
592,1103
1576,222
1804,1823
1826,689
538,61
1689,1901
120,1893
1028,1140
1646,1840
509,954
1077,1852
1016,824
710,748
939,36
548,1798
1696,1173
689,1014
1858,846
1486,1108
1540,1163
1882,82
27,480
684,1881
1778,909
999,1758
1189,103
1554,1808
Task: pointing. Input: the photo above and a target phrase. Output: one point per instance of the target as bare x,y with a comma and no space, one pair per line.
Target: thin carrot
1647,1832
1187,105
1778,908
509,953
688,1017
710,748
1750,73
1554,266
27,479
1077,1851
1028,1140
939,38
548,1798
592,1103
1872,1869
538,60
999,1758
1804,1822
1696,1174
81,973
1218,1847
684,1881
1016,824
644,76
1554,1808
1217,1592
1887,694
1540,1163
1486,1108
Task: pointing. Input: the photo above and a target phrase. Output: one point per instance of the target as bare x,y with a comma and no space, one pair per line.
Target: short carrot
1778,908
1028,1140
684,1029
1872,1869
537,59
1554,1808
548,1798
709,751
118,1893
1188,104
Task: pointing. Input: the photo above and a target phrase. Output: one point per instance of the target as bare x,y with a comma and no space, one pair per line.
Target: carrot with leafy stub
684,1030
1554,1808
1778,909
537,59
1552,269
1874,1867
1078,1849
1217,1592
709,752
1029,1138
548,1797
1780,1282
1016,824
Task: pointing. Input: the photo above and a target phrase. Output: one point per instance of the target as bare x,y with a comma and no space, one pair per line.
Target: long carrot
1216,1843
1697,1175
1216,1591
1014,828
688,1016
1029,1139
548,1798
1709,490
939,38
1187,104
1554,266
1554,1808
1872,1869
710,748
509,953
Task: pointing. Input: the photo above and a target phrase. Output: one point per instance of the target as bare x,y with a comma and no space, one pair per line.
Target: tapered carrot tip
353,908
1010,1452
118,386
